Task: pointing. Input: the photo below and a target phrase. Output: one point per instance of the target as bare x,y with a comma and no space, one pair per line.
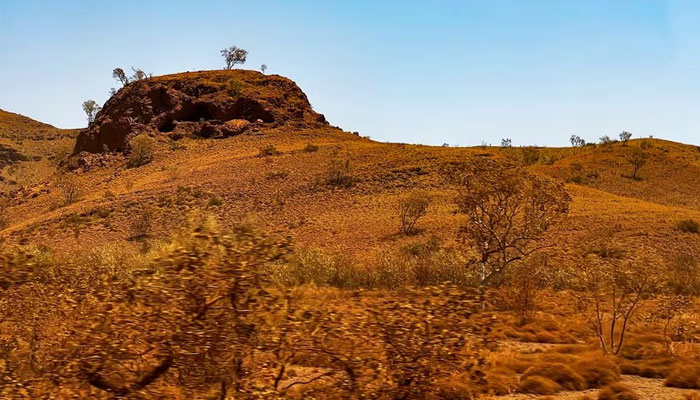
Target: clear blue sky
429,72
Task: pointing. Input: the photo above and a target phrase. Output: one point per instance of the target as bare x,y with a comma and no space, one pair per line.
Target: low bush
688,226
597,371
617,391
411,208
654,368
685,376
268,151
562,374
310,148
539,385
338,174
141,149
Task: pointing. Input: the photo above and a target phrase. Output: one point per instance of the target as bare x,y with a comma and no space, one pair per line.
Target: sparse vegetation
638,158
310,148
576,141
338,174
530,155
625,137
269,151
688,226
609,292
141,150
411,208
141,224
507,213
69,187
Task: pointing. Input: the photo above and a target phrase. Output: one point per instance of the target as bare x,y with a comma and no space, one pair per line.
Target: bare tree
610,291
120,75
508,211
91,109
506,142
234,55
411,208
69,187
263,68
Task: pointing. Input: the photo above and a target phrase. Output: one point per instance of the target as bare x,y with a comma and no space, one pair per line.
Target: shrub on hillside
684,276
529,155
269,151
69,188
141,149
688,226
310,148
141,224
338,174
411,208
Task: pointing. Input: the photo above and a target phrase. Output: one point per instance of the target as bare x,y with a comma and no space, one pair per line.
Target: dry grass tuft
684,376
560,373
617,391
539,385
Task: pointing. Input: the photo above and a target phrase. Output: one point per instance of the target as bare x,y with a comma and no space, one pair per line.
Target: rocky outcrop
209,104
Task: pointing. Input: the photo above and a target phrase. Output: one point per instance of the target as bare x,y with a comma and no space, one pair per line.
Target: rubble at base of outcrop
208,104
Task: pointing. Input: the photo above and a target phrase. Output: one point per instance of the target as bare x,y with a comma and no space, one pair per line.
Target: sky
458,72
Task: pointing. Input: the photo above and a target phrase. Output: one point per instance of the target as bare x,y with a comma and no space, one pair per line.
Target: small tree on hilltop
506,143
234,55
576,141
637,157
91,109
625,137
120,75
263,68
508,211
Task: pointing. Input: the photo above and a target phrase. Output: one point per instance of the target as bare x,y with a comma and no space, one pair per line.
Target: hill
290,174
275,175
29,151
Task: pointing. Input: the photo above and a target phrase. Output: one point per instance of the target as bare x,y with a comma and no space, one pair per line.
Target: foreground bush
198,318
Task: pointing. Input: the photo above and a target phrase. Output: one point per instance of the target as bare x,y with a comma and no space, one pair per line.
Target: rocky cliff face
210,104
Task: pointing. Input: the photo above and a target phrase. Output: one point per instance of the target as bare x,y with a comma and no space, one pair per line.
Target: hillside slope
286,191
29,151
